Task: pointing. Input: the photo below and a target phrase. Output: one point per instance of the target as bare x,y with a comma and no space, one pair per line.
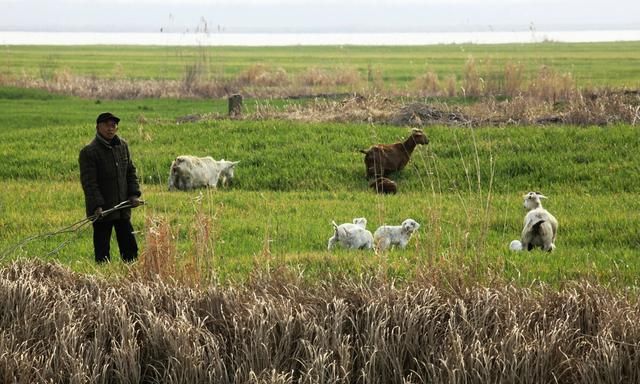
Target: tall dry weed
199,266
472,83
375,79
450,86
428,84
348,77
513,78
280,329
159,258
551,86
262,75
193,74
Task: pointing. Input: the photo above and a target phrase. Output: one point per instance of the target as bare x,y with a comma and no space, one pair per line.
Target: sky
213,16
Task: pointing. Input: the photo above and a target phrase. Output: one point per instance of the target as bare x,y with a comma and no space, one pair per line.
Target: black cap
106,117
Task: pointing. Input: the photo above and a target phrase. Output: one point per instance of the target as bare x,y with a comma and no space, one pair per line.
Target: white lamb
351,235
394,235
540,226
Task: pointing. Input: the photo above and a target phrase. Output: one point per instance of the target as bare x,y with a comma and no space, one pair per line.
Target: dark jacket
108,176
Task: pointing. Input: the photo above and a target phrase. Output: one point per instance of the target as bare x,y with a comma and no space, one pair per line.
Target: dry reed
58,326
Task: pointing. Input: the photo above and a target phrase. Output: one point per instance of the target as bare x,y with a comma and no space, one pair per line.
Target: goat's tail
365,151
536,227
340,233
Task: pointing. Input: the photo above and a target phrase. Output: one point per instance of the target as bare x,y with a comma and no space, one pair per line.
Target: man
108,178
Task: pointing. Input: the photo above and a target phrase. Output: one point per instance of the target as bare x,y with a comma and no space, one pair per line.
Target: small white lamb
351,235
390,235
540,226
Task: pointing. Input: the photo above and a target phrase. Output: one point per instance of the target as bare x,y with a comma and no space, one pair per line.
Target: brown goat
382,159
384,185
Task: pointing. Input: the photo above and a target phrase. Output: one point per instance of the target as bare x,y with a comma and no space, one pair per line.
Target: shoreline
8,38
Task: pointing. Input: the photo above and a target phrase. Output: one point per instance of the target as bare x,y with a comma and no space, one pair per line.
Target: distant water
284,39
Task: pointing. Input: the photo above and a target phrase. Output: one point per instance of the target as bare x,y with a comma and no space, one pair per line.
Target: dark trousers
124,234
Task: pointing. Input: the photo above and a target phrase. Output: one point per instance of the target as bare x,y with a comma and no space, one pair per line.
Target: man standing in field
108,178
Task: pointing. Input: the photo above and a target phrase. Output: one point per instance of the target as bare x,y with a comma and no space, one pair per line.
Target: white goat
189,172
540,226
351,235
390,235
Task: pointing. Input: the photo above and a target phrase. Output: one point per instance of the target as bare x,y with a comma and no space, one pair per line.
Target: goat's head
409,226
227,168
360,221
180,165
532,200
419,137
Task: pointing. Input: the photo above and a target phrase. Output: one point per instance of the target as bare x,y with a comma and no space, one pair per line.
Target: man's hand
98,212
135,201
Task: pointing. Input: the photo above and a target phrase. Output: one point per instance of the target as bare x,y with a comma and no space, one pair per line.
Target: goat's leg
332,242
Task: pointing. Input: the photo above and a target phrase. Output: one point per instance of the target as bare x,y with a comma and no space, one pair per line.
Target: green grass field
591,64
236,284
465,189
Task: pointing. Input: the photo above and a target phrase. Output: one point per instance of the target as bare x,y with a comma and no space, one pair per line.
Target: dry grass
159,257
472,84
547,97
589,107
551,86
261,75
428,85
63,327
513,79
193,267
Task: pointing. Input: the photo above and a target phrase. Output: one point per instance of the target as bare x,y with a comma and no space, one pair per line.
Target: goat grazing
389,235
351,235
189,172
540,226
382,159
384,185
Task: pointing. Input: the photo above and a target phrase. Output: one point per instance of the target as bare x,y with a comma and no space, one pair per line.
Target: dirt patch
416,114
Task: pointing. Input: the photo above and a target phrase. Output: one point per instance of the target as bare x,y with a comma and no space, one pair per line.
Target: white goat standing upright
540,226
351,235
388,235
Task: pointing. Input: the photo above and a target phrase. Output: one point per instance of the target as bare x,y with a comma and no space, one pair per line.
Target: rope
73,228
